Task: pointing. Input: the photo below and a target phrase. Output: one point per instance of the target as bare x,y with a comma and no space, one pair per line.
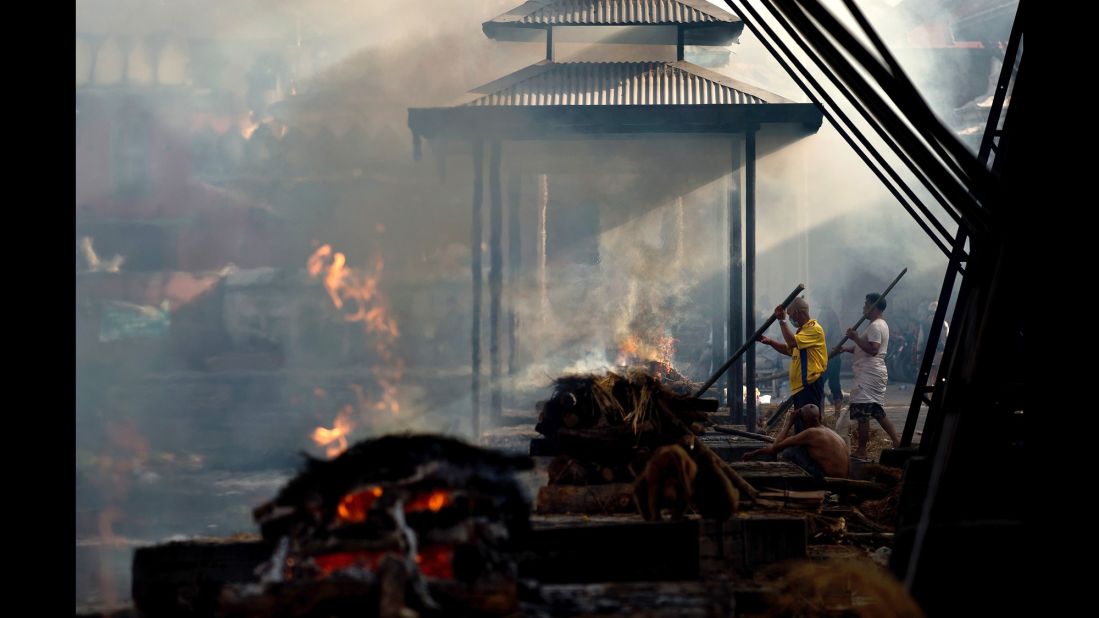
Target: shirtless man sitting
816,449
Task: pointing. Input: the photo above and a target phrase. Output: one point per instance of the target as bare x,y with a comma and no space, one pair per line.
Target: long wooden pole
749,342
771,422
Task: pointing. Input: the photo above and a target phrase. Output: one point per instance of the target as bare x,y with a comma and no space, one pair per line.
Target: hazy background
242,165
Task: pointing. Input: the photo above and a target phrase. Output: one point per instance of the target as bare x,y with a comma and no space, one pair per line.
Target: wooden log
590,499
795,496
744,434
852,486
797,500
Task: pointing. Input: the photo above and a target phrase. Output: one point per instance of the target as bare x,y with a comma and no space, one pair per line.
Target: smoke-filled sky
262,267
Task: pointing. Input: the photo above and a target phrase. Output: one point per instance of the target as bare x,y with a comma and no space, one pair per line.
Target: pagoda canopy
700,22
613,95
585,98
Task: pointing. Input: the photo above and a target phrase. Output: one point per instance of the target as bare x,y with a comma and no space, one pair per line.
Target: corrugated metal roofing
614,12
618,83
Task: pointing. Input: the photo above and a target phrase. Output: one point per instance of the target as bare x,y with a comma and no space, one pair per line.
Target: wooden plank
766,540
105,612
798,500
728,447
709,598
807,496
751,540
347,597
633,551
600,499
745,542
780,475
744,434
852,486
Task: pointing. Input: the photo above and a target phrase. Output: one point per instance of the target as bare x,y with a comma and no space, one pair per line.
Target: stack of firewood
602,430
398,524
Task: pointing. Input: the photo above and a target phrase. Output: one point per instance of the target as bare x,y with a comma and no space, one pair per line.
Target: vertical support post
124,44
750,271
717,295
735,327
515,258
495,277
679,43
475,255
543,208
549,43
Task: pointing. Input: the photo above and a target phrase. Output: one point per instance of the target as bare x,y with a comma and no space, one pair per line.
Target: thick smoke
243,136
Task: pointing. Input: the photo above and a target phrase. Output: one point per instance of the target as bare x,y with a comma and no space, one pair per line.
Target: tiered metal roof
618,83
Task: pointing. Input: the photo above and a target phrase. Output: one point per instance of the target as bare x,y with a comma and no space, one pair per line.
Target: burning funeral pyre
395,526
630,427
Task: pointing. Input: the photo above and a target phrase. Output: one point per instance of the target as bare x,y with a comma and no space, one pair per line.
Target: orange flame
629,347
433,501
246,125
367,305
354,506
335,439
330,563
435,561
113,472
659,348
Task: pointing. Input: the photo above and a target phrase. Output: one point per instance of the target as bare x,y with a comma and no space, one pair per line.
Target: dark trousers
813,393
799,455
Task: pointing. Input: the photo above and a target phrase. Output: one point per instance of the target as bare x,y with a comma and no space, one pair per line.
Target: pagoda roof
583,98
704,23
617,83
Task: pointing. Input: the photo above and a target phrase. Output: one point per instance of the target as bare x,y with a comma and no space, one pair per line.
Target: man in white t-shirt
871,377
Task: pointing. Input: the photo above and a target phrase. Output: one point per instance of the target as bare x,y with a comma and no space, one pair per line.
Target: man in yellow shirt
808,352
